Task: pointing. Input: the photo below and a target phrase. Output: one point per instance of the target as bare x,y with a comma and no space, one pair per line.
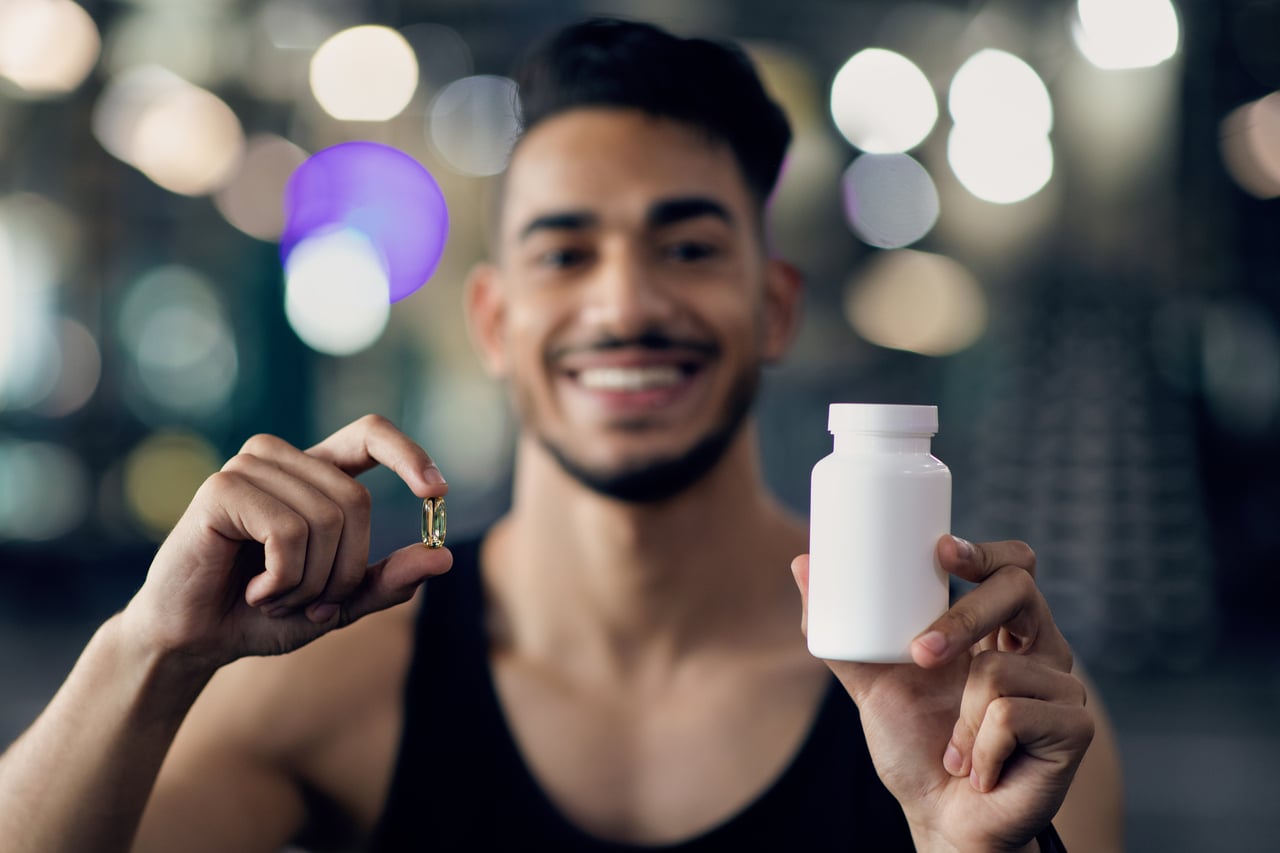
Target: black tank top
461,783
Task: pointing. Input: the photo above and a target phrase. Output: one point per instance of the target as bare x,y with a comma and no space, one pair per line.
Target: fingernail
934,642
321,613
952,761
963,547
433,476
973,779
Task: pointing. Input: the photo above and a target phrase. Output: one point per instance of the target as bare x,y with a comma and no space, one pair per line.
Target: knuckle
1002,712
1023,555
328,515
374,421
356,496
965,619
291,529
260,444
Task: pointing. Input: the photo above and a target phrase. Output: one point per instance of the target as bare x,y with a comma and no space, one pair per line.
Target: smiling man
619,663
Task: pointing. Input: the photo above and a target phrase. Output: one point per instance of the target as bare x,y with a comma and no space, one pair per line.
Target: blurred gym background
1057,220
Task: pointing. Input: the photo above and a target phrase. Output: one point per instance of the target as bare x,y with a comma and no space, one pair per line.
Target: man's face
632,306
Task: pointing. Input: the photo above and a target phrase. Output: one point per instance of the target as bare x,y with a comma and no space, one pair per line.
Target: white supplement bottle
879,504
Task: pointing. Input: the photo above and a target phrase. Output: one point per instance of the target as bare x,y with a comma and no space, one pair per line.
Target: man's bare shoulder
327,716
288,701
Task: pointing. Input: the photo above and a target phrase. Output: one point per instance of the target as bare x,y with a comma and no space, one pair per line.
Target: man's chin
651,480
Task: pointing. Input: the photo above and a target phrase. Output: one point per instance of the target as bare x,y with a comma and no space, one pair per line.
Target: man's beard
655,480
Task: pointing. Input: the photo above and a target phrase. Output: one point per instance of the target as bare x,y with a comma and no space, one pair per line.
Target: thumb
800,571
394,579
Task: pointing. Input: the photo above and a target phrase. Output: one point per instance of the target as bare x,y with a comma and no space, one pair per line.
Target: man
616,664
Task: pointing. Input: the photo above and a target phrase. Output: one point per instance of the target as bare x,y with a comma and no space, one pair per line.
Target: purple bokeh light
379,191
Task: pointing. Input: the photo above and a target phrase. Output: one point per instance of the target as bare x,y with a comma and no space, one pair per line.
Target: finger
1009,602
1048,732
996,675
240,511
800,571
373,440
351,556
977,562
394,580
324,520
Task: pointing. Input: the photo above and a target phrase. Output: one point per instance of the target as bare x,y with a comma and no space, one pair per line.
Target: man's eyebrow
569,220
671,211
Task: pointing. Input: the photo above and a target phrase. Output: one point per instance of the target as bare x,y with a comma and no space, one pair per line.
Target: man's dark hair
705,84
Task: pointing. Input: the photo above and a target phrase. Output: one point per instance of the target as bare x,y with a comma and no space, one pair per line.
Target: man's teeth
630,378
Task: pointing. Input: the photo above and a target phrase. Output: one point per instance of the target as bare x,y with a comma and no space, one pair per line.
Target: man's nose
627,296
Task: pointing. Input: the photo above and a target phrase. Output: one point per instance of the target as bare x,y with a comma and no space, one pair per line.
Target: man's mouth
631,378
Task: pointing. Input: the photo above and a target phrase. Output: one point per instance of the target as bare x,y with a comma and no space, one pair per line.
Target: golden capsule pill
434,520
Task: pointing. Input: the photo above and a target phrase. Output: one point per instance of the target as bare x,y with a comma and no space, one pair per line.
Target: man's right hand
273,550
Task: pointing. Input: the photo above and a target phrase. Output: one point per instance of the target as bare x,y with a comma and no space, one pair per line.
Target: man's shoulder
290,700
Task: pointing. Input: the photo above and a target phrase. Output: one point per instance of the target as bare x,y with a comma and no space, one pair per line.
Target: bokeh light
1002,94
1241,366
918,302
999,147
44,490
882,102
298,24
162,475
170,36
1250,139
1119,34
47,47
183,356
253,200
999,169
182,137
29,354
337,297
79,369
473,123
890,200
365,73
379,192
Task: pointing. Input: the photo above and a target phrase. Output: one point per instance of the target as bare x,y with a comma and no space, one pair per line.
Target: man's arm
271,554
1092,816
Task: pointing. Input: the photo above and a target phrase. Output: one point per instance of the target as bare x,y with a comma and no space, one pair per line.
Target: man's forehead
598,159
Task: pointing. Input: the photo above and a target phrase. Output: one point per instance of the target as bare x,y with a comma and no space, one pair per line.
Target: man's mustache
654,341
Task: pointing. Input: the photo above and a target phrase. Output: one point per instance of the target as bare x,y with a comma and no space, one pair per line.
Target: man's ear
784,294
486,309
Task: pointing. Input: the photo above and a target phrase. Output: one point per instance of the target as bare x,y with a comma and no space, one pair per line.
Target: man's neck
618,587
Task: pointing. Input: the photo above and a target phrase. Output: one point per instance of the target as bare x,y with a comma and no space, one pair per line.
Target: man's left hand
980,737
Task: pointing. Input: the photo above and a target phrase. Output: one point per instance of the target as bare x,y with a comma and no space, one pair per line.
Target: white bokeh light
1002,93
337,296
1000,169
882,102
184,138
47,47
1120,34
999,147
473,122
188,141
365,73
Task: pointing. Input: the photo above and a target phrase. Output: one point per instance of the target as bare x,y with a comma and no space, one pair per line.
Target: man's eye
690,250
561,258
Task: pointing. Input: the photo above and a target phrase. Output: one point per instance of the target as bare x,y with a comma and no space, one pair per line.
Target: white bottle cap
883,418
